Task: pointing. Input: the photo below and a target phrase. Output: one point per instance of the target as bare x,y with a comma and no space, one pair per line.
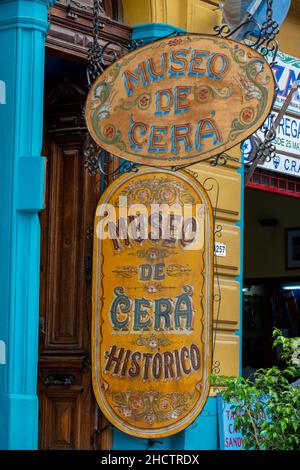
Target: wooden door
69,417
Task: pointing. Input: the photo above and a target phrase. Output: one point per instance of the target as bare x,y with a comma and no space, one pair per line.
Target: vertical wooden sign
152,302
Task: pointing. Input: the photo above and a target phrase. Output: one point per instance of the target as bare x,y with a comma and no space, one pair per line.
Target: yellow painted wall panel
202,17
230,236
289,35
176,12
195,16
226,353
227,316
136,12
224,185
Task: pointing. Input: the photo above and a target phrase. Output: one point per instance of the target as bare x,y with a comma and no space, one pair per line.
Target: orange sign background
180,100
152,313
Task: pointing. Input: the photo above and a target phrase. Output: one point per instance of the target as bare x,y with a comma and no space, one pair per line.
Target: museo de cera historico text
152,306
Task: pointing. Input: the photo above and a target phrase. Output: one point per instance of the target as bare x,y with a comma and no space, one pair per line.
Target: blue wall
23,26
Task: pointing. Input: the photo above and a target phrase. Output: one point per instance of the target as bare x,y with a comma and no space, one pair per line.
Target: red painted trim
269,181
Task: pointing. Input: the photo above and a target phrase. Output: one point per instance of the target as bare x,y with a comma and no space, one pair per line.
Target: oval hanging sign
152,302
180,100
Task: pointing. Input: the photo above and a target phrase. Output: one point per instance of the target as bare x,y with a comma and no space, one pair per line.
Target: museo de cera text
175,100
180,100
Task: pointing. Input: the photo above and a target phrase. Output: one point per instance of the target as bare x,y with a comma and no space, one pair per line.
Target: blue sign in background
229,438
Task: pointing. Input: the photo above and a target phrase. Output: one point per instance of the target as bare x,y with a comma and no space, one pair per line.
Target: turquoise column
23,27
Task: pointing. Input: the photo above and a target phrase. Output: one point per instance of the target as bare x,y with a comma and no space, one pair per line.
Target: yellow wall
201,16
223,184
192,15
289,36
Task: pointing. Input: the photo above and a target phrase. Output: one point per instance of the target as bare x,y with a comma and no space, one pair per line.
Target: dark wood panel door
69,416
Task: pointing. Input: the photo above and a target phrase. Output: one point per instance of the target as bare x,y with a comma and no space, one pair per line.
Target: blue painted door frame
23,27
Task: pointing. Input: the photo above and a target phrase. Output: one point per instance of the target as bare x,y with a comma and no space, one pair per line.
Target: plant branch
254,428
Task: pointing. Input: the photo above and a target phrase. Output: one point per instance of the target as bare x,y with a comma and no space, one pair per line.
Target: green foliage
267,405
